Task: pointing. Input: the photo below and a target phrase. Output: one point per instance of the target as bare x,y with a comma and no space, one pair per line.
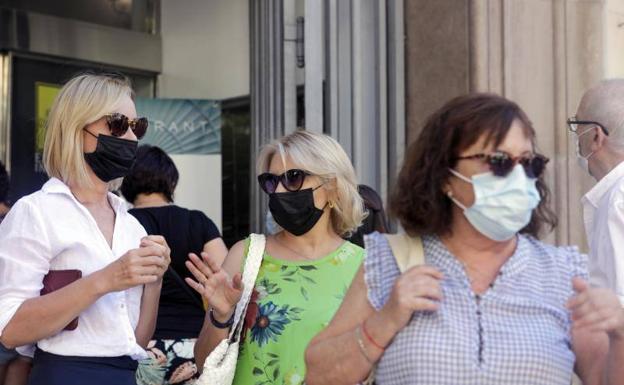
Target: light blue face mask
503,205
271,226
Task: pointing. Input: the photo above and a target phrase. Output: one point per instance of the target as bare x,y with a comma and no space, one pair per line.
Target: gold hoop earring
331,204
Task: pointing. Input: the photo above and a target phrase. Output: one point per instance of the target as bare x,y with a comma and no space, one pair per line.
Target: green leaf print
257,371
289,273
275,374
309,279
308,267
304,293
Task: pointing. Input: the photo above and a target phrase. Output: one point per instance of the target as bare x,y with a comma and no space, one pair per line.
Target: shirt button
122,306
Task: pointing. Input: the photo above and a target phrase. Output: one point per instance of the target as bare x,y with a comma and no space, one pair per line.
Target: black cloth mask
295,211
113,157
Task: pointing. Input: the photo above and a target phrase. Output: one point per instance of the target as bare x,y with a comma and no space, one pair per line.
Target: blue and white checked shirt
518,332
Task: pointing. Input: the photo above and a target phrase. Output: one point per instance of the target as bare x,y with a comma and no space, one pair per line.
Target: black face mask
113,157
295,211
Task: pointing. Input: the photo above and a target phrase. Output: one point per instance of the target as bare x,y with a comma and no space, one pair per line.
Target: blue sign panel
182,126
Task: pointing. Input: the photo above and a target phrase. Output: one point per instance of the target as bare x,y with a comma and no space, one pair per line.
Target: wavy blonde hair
83,100
323,157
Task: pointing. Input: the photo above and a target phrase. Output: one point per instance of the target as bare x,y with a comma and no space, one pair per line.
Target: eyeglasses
501,163
292,180
119,124
573,125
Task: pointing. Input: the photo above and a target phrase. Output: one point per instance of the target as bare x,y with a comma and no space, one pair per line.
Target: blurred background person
150,187
599,132
375,220
4,192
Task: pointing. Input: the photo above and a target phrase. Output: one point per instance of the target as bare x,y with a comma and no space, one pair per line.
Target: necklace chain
292,250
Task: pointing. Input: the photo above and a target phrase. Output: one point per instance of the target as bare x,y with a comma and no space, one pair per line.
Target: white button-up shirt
603,211
51,230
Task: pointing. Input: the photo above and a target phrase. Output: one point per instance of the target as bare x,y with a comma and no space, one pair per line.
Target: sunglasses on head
292,180
501,163
119,124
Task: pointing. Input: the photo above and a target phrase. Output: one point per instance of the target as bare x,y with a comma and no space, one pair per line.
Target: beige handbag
408,252
220,365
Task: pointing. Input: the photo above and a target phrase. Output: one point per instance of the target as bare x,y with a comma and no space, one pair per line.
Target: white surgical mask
503,205
583,161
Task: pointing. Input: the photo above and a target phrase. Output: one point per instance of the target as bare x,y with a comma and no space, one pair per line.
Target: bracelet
358,336
370,339
218,324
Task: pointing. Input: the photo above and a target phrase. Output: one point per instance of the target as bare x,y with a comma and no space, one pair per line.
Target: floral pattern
270,323
169,362
290,304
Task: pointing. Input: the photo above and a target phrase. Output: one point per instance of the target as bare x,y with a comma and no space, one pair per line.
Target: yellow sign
44,97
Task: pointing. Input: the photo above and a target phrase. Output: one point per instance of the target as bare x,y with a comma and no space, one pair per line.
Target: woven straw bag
220,365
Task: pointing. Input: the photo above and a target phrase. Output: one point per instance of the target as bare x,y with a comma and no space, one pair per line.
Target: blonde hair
323,157
83,100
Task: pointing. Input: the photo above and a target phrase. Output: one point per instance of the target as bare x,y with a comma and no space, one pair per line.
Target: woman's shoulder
352,249
567,257
375,241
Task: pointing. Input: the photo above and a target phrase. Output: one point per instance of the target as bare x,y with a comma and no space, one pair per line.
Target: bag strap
408,251
250,272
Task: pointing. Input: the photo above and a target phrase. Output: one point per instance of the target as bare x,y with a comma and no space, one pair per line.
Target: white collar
604,185
57,186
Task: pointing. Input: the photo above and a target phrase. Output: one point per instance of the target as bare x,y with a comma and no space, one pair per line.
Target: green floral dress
291,303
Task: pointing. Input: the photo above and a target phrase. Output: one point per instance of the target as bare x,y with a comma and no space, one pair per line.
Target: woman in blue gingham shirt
492,305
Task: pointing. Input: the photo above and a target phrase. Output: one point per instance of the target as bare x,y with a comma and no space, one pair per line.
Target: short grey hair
604,103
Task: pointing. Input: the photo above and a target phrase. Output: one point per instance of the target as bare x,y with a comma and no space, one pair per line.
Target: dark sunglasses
501,163
119,124
292,180
573,125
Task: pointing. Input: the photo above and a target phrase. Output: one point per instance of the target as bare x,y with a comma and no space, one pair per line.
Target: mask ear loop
458,203
449,193
328,203
460,176
579,143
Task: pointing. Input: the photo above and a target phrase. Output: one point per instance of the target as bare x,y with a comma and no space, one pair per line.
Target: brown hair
418,200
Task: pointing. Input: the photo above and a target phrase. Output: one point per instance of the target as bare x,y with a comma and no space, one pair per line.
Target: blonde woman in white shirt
74,223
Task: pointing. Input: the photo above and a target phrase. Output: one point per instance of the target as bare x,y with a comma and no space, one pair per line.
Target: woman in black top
150,188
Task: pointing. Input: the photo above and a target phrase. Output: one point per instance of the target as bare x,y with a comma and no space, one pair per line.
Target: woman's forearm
208,339
149,313
615,361
348,358
42,317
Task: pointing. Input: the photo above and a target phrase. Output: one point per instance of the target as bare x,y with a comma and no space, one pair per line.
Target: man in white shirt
599,128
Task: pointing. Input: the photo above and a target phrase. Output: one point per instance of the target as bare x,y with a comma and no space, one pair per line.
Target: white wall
205,56
614,33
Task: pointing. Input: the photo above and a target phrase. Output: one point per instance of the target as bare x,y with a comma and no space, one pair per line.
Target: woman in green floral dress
306,269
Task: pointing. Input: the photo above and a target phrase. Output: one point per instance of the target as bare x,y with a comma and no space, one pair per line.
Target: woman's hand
141,266
596,309
418,289
159,242
215,285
